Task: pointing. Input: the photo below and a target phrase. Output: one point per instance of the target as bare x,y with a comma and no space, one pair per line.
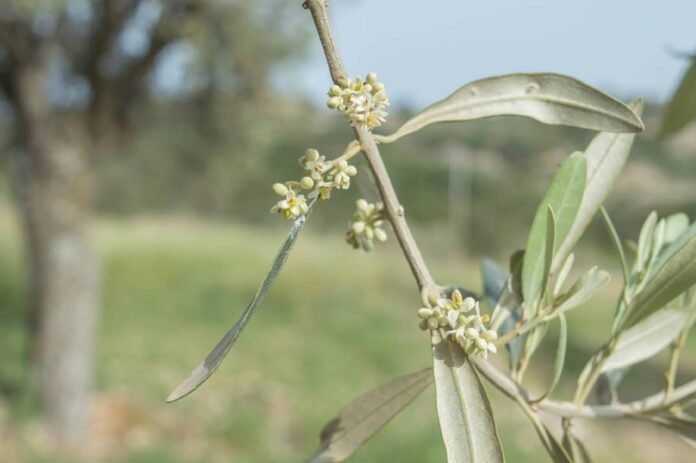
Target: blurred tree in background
78,76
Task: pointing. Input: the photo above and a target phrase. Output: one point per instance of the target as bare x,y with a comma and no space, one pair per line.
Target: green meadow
337,323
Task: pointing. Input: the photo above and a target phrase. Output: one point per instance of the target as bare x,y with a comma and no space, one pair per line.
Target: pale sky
424,50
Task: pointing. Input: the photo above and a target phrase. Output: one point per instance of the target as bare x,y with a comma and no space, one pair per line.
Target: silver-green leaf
466,419
606,156
589,283
365,416
675,276
208,366
647,338
559,359
563,196
549,98
682,107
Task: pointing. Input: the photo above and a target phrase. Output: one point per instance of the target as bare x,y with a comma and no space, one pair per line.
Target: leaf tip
190,384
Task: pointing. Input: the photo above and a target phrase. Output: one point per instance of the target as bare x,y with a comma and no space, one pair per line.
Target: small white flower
366,226
314,164
342,172
362,102
292,206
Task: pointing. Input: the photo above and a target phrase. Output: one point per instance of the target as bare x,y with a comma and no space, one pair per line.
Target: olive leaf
675,276
645,241
617,244
554,448
583,289
681,109
494,279
575,448
365,416
203,371
559,359
507,310
466,419
682,424
606,155
549,98
647,338
564,196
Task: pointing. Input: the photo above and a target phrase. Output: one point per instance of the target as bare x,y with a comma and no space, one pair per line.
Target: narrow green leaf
494,278
508,310
551,444
203,371
606,156
584,288
516,264
683,425
559,359
563,274
676,243
563,196
548,98
673,278
466,419
617,244
645,242
549,246
647,338
575,448
367,415
681,109
676,224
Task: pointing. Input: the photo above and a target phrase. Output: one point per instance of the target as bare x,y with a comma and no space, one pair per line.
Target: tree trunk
54,188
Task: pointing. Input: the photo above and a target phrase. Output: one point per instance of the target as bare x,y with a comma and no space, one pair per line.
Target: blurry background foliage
184,232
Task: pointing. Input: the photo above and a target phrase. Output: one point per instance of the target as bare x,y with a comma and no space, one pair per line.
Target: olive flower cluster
469,331
366,226
321,178
363,102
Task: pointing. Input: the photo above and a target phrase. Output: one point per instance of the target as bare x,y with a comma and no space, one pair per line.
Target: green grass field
337,324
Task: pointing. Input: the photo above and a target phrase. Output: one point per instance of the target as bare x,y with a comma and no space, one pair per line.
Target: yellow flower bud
311,154
425,312
380,234
280,189
306,183
335,90
334,102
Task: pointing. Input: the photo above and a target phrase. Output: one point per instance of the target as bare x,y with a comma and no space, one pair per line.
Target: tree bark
54,187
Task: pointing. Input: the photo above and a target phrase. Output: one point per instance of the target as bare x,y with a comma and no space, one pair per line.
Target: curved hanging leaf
466,419
606,156
365,416
682,107
675,276
549,98
203,371
563,196
647,338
